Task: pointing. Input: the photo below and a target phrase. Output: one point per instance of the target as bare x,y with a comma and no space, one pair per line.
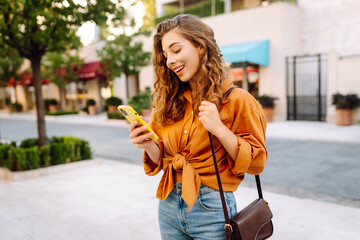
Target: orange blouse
186,154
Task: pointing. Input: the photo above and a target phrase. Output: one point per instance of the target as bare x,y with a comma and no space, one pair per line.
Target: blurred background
66,65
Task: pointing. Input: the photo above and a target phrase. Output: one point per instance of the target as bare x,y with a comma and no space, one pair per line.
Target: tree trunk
15,94
62,101
127,86
40,111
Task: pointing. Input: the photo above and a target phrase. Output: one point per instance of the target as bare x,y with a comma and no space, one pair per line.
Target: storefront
245,59
91,78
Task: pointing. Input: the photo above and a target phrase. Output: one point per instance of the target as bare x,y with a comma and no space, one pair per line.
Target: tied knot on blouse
190,180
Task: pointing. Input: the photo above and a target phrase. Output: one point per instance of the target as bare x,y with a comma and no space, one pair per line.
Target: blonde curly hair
168,96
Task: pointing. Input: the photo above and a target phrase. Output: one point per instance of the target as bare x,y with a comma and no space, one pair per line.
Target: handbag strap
227,226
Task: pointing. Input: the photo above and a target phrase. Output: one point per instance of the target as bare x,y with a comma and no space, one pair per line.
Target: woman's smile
182,57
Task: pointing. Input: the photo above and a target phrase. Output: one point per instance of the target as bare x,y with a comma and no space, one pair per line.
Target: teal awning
253,52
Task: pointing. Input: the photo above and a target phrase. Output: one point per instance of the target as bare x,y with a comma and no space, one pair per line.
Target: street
319,170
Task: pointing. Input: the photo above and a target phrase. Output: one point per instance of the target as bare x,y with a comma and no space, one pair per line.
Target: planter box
53,108
92,110
269,114
6,174
344,117
113,109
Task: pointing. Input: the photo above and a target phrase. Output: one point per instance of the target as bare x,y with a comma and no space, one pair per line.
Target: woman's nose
170,60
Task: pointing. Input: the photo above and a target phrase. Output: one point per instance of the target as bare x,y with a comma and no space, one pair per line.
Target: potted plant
53,105
91,105
14,107
345,104
268,105
142,103
112,103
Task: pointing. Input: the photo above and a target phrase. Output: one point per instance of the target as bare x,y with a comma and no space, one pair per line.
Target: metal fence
306,87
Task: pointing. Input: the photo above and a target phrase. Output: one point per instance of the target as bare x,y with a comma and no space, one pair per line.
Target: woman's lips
178,70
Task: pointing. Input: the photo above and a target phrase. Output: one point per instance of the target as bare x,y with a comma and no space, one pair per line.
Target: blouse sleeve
150,167
249,125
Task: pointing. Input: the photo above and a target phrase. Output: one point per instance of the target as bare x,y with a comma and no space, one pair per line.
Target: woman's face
181,55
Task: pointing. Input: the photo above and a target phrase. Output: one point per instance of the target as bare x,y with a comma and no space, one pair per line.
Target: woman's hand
139,136
141,139
209,116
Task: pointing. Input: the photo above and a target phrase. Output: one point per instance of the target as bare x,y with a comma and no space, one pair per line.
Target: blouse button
185,131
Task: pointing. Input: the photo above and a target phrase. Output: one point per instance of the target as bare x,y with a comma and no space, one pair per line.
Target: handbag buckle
228,226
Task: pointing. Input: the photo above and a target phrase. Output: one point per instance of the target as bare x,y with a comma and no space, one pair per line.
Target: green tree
35,27
149,15
10,63
60,68
123,56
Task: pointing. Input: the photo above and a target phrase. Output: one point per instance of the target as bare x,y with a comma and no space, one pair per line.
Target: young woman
190,82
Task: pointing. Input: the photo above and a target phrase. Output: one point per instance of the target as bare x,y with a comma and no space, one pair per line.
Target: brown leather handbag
251,223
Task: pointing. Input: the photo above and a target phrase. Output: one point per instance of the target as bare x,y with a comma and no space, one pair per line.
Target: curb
8,175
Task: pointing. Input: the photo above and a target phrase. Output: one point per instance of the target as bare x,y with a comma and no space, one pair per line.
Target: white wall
279,22
331,25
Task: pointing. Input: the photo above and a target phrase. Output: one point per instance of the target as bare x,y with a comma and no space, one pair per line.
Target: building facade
313,51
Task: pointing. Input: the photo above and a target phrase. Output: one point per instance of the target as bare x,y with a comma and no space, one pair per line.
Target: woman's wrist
221,131
153,150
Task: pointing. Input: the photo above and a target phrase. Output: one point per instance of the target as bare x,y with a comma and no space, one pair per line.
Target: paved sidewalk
116,200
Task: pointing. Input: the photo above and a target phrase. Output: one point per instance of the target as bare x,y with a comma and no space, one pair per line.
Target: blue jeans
204,221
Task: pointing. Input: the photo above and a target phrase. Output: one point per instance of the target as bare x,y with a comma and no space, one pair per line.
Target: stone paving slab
115,200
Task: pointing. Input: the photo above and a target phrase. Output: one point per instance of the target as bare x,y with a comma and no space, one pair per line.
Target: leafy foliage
34,27
113,101
349,101
142,100
10,63
115,115
90,102
60,67
29,156
123,56
267,101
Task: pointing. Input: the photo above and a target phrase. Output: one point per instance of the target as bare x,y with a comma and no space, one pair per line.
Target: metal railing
203,9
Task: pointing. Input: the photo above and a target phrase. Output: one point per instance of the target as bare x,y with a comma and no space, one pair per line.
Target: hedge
59,113
116,115
29,156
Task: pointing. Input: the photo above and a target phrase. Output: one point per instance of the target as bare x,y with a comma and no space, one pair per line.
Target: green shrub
58,113
116,115
142,100
16,106
29,142
4,149
28,155
113,101
90,102
32,156
49,101
45,157
17,159
267,101
349,101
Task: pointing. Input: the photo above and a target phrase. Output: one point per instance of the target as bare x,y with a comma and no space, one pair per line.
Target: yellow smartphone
132,115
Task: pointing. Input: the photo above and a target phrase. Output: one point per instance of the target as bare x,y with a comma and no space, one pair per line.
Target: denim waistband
203,188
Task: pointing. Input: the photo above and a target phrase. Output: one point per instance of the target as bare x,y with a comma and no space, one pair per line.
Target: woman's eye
177,51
